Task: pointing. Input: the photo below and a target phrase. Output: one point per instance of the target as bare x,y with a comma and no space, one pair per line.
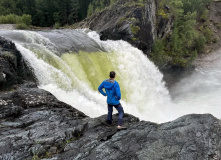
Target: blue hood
109,84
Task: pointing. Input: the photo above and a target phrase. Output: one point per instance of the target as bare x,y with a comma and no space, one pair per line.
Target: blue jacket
112,90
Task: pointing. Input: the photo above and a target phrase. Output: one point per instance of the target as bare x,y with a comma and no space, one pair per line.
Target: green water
93,68
88,68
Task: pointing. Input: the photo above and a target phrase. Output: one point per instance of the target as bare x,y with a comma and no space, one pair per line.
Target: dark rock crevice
13,69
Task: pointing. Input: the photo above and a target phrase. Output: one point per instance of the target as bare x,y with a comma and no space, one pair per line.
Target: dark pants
120,110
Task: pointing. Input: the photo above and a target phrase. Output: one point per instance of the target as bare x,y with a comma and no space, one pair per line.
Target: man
113,94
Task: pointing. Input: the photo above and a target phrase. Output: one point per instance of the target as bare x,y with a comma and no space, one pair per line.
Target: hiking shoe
121,128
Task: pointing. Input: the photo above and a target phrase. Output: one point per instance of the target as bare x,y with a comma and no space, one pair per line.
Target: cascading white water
74,78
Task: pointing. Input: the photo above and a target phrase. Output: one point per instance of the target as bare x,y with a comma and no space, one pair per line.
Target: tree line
47,13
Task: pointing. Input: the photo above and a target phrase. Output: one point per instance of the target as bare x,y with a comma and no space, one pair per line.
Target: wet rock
71,41
34,123
49,129
13,70
9,110
173,140
2,78
38,150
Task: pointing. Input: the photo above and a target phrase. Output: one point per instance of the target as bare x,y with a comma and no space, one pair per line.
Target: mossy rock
134,29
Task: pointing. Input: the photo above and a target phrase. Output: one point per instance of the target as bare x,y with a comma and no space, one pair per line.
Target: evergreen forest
47,13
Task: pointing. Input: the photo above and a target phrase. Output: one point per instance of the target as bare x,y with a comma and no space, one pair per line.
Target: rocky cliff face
131,21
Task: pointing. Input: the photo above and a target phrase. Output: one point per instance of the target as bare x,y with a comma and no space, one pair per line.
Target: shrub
14,19
8,19
204,15
208,34
11,18
162,13
26,19
22,26
159,56
57,25
200,43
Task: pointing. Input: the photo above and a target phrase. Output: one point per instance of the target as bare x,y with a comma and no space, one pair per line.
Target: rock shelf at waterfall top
35,125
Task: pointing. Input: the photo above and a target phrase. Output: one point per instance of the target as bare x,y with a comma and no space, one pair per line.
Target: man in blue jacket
112,91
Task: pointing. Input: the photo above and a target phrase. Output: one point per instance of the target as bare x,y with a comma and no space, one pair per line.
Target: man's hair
112,74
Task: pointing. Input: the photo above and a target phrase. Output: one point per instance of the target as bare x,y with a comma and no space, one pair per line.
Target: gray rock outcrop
13,69
127,20
34,124
130,20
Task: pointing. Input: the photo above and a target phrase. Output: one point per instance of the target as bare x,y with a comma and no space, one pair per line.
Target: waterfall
73,65
73,77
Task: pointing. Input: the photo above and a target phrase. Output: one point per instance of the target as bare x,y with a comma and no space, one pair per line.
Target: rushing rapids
72,63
